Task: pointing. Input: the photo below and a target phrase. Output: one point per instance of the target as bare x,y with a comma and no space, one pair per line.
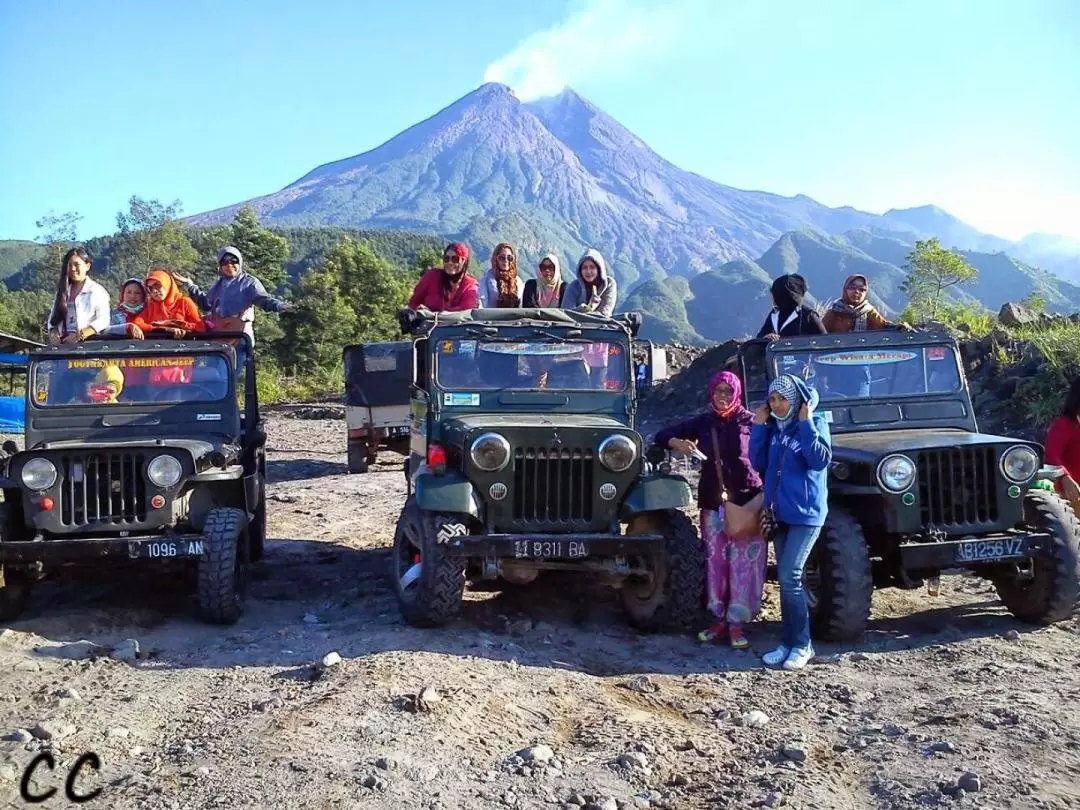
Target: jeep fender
449,492
654,493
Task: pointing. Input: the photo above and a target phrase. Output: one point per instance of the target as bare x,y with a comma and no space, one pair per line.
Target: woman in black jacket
548,289
789,317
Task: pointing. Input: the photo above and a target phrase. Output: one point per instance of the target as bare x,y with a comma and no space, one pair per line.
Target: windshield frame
544,336
775,354
230,394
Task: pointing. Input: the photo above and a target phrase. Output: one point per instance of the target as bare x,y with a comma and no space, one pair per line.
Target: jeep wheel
222,585
429,584
838,580
1052,592
358,458
674,596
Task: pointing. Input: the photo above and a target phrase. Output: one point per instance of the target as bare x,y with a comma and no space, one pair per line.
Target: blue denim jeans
793,545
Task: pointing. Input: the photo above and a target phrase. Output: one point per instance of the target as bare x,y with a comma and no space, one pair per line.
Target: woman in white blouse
82,306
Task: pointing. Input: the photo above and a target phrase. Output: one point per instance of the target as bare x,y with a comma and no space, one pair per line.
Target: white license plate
551,548
978,550
172,548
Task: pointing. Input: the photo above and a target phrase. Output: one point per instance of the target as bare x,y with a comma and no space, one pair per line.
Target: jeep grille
102,489
958,487
552,487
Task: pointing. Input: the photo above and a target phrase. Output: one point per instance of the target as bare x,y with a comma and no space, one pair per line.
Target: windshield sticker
461,399
208,417
534,349
935,353
828,416
133,362
865,358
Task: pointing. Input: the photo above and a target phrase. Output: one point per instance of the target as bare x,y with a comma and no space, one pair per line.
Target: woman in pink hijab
736,565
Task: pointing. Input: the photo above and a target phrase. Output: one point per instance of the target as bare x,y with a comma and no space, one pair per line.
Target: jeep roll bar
420,321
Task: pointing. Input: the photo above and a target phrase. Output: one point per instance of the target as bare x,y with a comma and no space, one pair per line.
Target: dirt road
539,697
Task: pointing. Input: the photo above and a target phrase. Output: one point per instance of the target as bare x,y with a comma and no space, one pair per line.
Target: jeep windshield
545,365
874,373
142,379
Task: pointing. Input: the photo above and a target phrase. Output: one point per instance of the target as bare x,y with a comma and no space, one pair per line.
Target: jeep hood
459,428
881,442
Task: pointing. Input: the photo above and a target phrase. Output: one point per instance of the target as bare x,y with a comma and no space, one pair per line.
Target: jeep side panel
449,492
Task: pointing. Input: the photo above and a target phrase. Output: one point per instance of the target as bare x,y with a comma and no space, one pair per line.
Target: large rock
1013,315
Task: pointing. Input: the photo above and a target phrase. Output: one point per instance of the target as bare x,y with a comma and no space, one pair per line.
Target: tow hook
1025,569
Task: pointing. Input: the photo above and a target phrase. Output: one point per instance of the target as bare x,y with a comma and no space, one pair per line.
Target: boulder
1013,315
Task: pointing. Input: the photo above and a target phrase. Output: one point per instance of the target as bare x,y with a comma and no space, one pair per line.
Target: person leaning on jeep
230,302
854,312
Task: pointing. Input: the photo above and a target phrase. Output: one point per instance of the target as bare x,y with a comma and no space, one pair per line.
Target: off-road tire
359,460
222,573
16,587
1054,592
434,599
846,589
677,598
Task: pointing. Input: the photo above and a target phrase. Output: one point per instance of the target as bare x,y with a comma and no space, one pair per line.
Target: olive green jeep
524,458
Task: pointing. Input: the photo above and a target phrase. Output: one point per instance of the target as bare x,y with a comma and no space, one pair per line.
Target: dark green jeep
138,452
914,488
525,459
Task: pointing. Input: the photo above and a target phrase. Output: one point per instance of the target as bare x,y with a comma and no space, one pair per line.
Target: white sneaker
799,658
777,656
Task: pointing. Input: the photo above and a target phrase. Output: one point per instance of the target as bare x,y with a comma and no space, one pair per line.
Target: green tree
932,270
57,232
427,257
150,234
324,320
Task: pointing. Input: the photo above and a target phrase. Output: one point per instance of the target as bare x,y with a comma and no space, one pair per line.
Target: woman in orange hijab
167,309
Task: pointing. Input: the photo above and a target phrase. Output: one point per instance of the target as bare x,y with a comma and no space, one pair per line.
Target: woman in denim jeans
791,447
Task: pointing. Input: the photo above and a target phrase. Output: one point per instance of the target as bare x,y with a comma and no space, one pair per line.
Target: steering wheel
177,393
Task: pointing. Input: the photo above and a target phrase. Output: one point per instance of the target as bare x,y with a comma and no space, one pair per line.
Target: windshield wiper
569,334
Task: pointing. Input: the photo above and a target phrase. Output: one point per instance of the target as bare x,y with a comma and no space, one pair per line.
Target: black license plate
538,549
968,551
168,549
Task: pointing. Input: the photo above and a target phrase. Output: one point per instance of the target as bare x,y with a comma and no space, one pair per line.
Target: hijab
730,379
167,309
506,280
788,387
857,313
127,309
547,292
788,292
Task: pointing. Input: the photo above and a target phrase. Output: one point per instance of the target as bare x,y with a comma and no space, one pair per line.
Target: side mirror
658,371
10,447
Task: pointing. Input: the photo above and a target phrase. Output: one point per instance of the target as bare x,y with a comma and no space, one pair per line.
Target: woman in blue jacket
791,447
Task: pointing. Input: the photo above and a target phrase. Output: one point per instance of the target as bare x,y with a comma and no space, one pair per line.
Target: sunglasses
547,268
455,259
505,257
229,260
856,287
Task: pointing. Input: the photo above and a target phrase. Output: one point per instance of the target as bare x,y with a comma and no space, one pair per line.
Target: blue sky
968,105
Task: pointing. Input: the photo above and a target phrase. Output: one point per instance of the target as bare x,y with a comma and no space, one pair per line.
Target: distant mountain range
697,256
560,174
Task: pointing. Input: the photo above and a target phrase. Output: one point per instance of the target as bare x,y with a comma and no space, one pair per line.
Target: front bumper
969,551
92,549
573,546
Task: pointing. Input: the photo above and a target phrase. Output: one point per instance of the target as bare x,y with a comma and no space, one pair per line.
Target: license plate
978,550
572,549
171,548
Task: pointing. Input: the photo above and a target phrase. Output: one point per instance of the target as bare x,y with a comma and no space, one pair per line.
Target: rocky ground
322,697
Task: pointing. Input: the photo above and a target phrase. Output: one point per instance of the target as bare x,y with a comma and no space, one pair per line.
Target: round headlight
164,471
617,453
39,473
490,452
1019,464
896,473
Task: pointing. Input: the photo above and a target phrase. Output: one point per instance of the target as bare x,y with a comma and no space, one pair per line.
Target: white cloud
602,39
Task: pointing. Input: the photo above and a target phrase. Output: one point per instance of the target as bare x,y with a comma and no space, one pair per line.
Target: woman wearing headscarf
449,288
790,445
789,317
548,288
735,573
500,287
854,312
168,309
131,304
594,289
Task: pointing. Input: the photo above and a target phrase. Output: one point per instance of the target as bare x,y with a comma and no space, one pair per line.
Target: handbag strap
719,467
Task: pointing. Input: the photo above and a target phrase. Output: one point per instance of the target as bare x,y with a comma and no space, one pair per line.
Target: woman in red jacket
167,309
449,288
1063,446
